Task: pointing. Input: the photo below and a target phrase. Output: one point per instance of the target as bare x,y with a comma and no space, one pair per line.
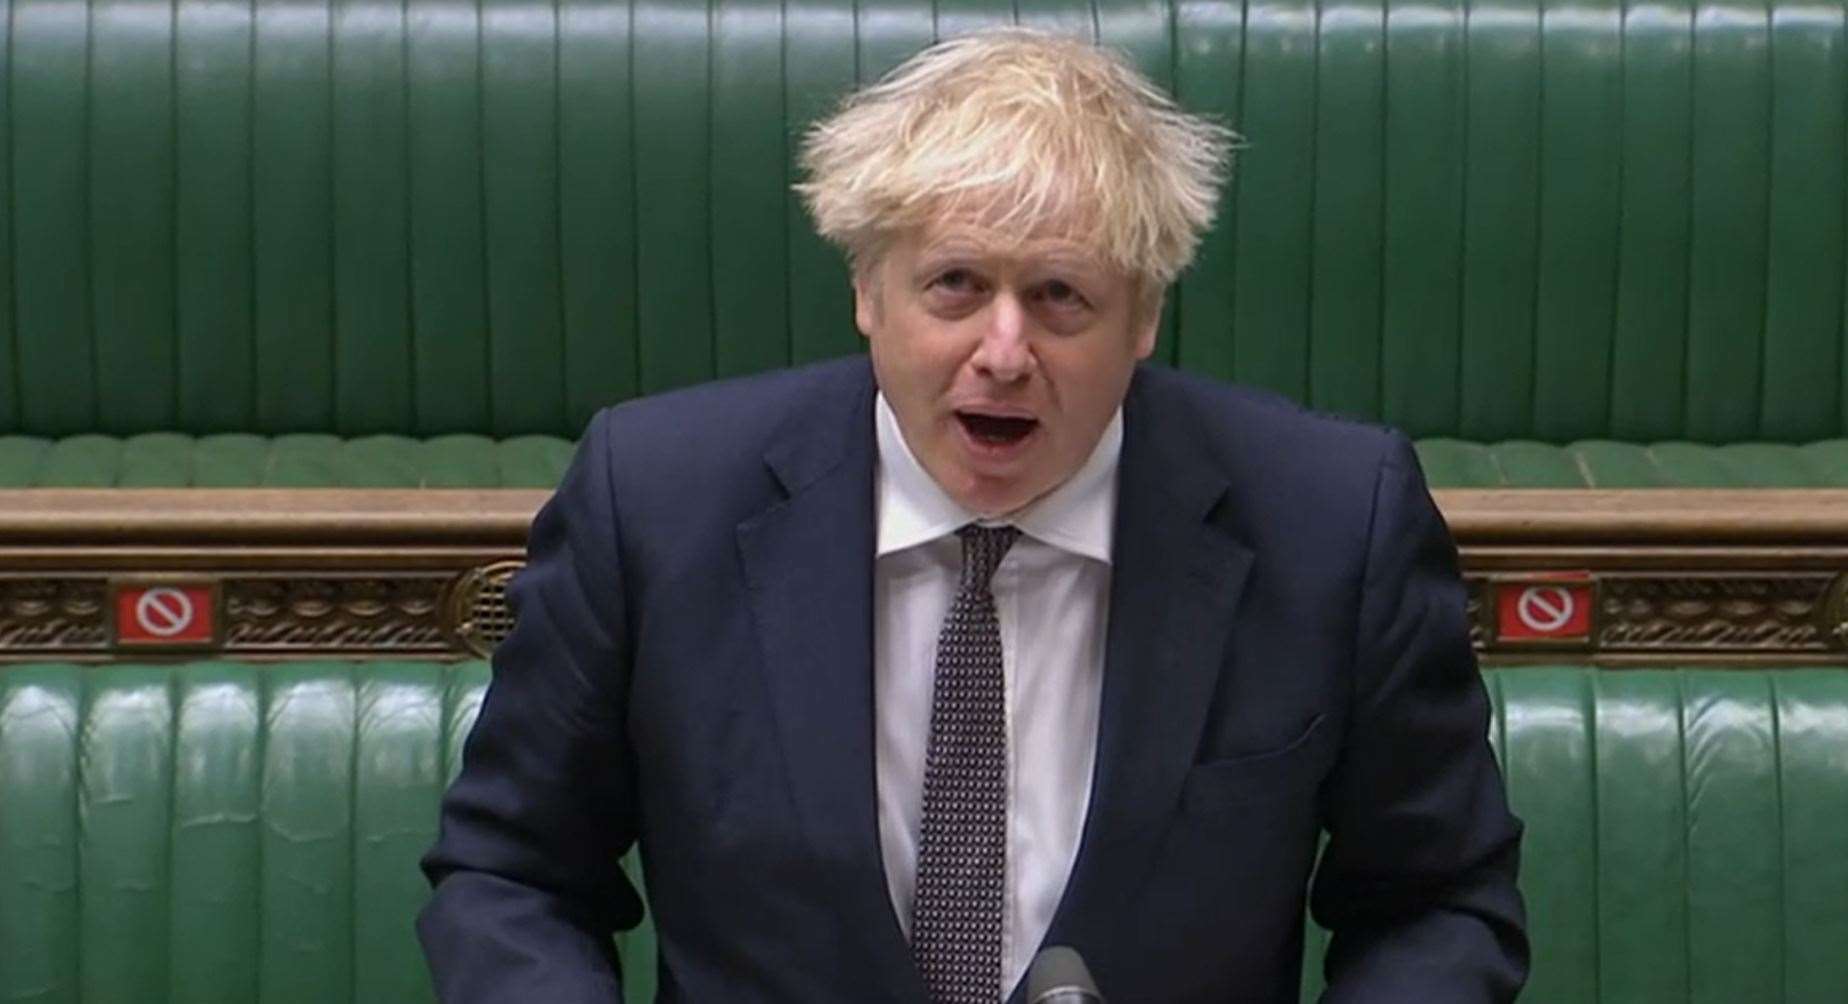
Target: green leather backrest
219,832
222,832
1685,832
1499,219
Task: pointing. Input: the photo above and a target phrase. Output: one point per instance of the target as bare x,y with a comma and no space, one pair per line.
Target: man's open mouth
997,430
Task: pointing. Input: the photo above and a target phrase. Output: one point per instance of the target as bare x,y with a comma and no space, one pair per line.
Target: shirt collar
1078,516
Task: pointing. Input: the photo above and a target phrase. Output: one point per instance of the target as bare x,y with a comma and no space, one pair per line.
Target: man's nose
1004,353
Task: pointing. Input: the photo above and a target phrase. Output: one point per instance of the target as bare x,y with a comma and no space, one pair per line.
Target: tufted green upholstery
1684,831
299,460
1505,219
318,460
224,832
220,832
1451,463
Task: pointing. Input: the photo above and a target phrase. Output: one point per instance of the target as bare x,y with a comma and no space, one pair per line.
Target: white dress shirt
1051,595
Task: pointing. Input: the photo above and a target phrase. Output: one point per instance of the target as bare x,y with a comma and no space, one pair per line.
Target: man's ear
1147,325
865,300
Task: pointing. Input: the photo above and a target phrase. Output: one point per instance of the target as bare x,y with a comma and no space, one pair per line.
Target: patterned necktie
962,851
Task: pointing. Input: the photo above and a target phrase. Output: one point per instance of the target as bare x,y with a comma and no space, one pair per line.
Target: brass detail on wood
381,615
477,608
303,573
50,616
1477,611
1834,612
1736,577
1691,616
1712,613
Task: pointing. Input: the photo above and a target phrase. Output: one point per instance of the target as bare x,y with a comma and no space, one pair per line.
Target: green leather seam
353,857
1589,693
173,819
1687,843
264,690
1783,840
85,699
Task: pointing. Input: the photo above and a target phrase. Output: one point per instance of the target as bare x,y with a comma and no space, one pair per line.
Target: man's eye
956,280
1061,294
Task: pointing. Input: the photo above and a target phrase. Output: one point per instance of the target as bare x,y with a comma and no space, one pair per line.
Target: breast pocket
1226,791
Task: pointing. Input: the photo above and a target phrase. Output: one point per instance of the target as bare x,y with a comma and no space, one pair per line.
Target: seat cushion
222,831
236,831
1683,832
175,460
1602,463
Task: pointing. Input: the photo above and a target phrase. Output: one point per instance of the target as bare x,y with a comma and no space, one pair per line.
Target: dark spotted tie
962,851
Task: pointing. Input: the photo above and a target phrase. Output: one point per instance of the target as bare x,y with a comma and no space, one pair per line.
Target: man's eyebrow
962,247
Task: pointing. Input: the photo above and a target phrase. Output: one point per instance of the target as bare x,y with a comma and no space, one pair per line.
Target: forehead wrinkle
990,246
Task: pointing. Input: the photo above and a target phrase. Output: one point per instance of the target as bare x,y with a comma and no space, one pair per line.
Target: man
899,671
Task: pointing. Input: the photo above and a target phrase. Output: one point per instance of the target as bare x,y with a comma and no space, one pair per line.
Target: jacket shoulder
696,457
1242,424
738,405
1300,481
725,421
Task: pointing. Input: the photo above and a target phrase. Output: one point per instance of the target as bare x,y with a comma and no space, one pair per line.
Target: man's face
1003,359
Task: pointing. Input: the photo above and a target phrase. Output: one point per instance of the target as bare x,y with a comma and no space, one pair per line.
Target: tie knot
983,547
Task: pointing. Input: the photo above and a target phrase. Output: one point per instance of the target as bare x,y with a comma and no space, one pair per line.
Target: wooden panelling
1614,577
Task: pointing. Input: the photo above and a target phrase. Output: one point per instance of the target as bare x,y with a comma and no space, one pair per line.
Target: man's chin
997,497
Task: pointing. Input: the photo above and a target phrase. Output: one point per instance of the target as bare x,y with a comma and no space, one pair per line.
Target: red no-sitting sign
1544,611
176,614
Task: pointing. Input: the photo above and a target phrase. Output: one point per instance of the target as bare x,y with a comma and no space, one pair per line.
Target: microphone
1058,976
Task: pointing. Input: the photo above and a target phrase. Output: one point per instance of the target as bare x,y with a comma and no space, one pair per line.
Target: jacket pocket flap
1217,786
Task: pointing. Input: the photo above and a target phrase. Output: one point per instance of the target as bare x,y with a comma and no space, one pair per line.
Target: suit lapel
808,562
1175,584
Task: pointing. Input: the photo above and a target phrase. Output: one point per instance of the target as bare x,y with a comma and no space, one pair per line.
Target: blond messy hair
1027,132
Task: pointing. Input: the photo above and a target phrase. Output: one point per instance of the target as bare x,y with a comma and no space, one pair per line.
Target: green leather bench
312,243
379,244
462,460
217,832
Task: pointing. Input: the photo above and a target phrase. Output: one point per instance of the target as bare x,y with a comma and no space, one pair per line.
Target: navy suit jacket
691,667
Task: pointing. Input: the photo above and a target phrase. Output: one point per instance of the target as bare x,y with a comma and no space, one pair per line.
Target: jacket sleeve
528,891
1417,883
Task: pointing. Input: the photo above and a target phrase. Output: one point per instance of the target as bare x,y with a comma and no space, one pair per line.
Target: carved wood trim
1735,577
